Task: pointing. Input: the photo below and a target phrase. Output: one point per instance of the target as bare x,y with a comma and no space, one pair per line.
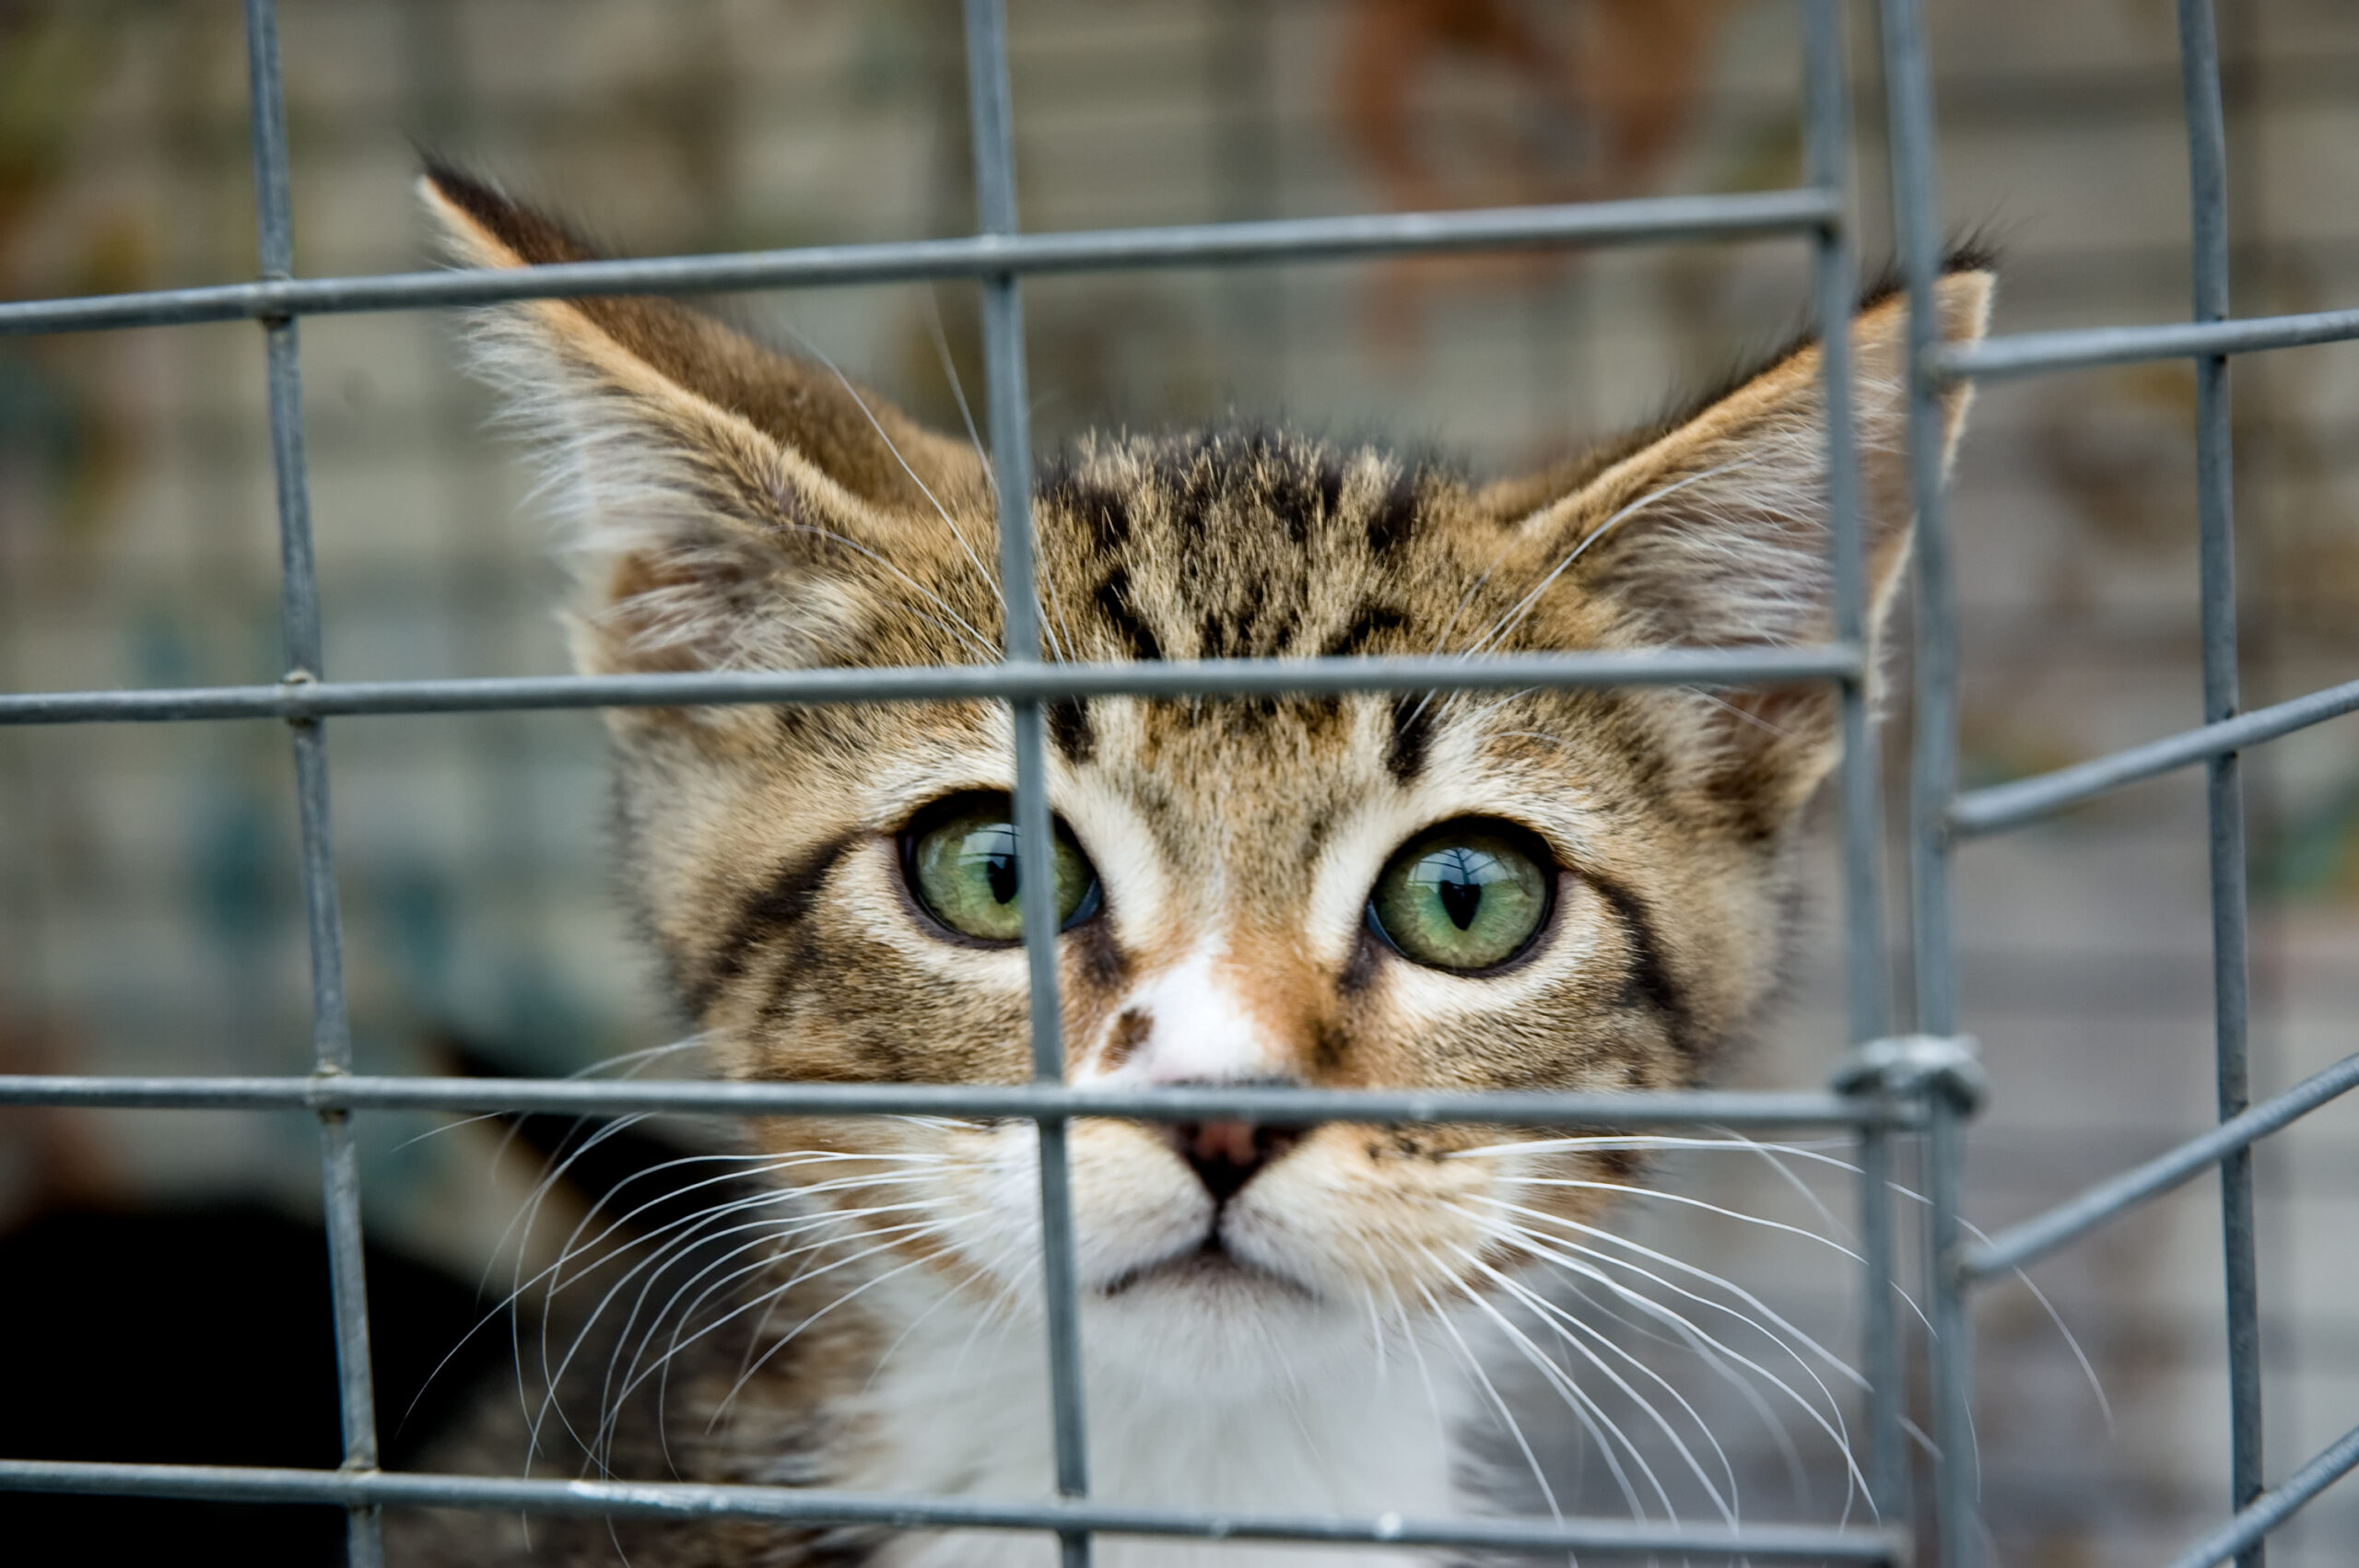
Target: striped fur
734,509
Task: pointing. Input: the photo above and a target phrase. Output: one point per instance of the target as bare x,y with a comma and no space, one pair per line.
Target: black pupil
1461,896
999,868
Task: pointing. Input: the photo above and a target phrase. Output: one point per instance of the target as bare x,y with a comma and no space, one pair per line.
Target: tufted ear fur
1713,532
733,506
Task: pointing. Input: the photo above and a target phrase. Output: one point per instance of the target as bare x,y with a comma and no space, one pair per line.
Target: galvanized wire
299,623
1828,133
990,119
2207,158
998,256
2243,1534
1934,764
2004,806
1040,1101
2021,1245
1652,220
800,1505
1018,681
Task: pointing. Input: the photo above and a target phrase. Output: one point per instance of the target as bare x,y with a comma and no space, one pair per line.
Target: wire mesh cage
1897,1093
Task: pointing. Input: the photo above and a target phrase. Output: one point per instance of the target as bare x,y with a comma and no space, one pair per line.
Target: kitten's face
1576,890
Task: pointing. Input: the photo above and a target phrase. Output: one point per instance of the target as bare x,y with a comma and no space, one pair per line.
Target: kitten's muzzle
1227,1154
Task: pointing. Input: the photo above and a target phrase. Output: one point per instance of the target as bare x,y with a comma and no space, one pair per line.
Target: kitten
1567,889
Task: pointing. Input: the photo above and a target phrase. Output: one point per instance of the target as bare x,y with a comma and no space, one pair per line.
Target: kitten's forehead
1255,543
1241,544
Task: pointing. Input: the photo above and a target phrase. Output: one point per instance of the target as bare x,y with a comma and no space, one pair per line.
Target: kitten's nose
1227,1154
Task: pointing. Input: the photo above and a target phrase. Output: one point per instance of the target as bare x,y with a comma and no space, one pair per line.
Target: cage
1236,234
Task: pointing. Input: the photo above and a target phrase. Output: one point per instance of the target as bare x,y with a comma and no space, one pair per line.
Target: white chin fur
1207,1389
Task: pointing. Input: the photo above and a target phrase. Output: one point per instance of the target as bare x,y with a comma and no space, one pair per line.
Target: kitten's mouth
1210,1261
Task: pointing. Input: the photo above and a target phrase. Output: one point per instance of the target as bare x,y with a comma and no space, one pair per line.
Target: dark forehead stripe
1238,542
1413,733
1394,517
1104,508
1369,623
1304,493
1648,983
1330,484
768,913
1070,729
1113,599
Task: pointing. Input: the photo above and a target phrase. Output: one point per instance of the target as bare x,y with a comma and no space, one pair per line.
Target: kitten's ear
735,509
1715,532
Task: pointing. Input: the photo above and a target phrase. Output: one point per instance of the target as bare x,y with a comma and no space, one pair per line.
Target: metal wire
2207,158
299,623
1016,681
2034,1239
1934,764
1042,1101
1829,137
979,256
1615,1538
2010,805
2242,1535
2048,353
991,118
997,256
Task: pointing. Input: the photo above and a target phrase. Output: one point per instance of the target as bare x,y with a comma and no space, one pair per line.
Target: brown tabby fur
738,509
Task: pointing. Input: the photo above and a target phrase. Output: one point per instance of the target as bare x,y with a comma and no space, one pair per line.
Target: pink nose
1227,1154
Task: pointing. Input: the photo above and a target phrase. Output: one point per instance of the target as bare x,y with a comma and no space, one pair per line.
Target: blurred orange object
1596,96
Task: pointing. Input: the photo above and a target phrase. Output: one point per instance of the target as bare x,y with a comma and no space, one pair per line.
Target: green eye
1464,895
960,862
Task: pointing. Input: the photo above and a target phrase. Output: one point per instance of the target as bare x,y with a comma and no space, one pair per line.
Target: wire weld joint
1915,1065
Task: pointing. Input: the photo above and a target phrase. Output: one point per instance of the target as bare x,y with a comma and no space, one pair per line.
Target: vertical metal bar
1829,135
1002,312
299,626
1933,771
1880,1335
1957,1483
1933,774
2207,159
1828,163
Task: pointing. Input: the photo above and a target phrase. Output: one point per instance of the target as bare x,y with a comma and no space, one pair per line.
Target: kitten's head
1574,889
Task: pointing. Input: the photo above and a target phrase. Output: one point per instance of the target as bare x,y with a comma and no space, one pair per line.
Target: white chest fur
965,1413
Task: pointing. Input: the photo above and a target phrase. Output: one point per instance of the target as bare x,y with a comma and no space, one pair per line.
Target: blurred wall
149,914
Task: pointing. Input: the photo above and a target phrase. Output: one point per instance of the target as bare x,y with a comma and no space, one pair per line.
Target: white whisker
1836,1362
1684,1336
1630,1189
1727,1506
612,1398
694,1232
1592,1416
975,639
950,374
1838,1430
1417,1353
853,393
1522,607
790,1335
1506,1417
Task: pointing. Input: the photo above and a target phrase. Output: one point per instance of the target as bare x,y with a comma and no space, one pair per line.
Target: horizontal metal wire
2046,353
2005,805
676,1500
2273,1507
1204,677
972,256
1275,1107
2034,1239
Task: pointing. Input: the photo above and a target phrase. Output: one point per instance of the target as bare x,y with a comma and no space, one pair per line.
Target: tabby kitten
1540,889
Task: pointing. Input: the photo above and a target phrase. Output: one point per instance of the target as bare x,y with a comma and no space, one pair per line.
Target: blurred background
149,916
